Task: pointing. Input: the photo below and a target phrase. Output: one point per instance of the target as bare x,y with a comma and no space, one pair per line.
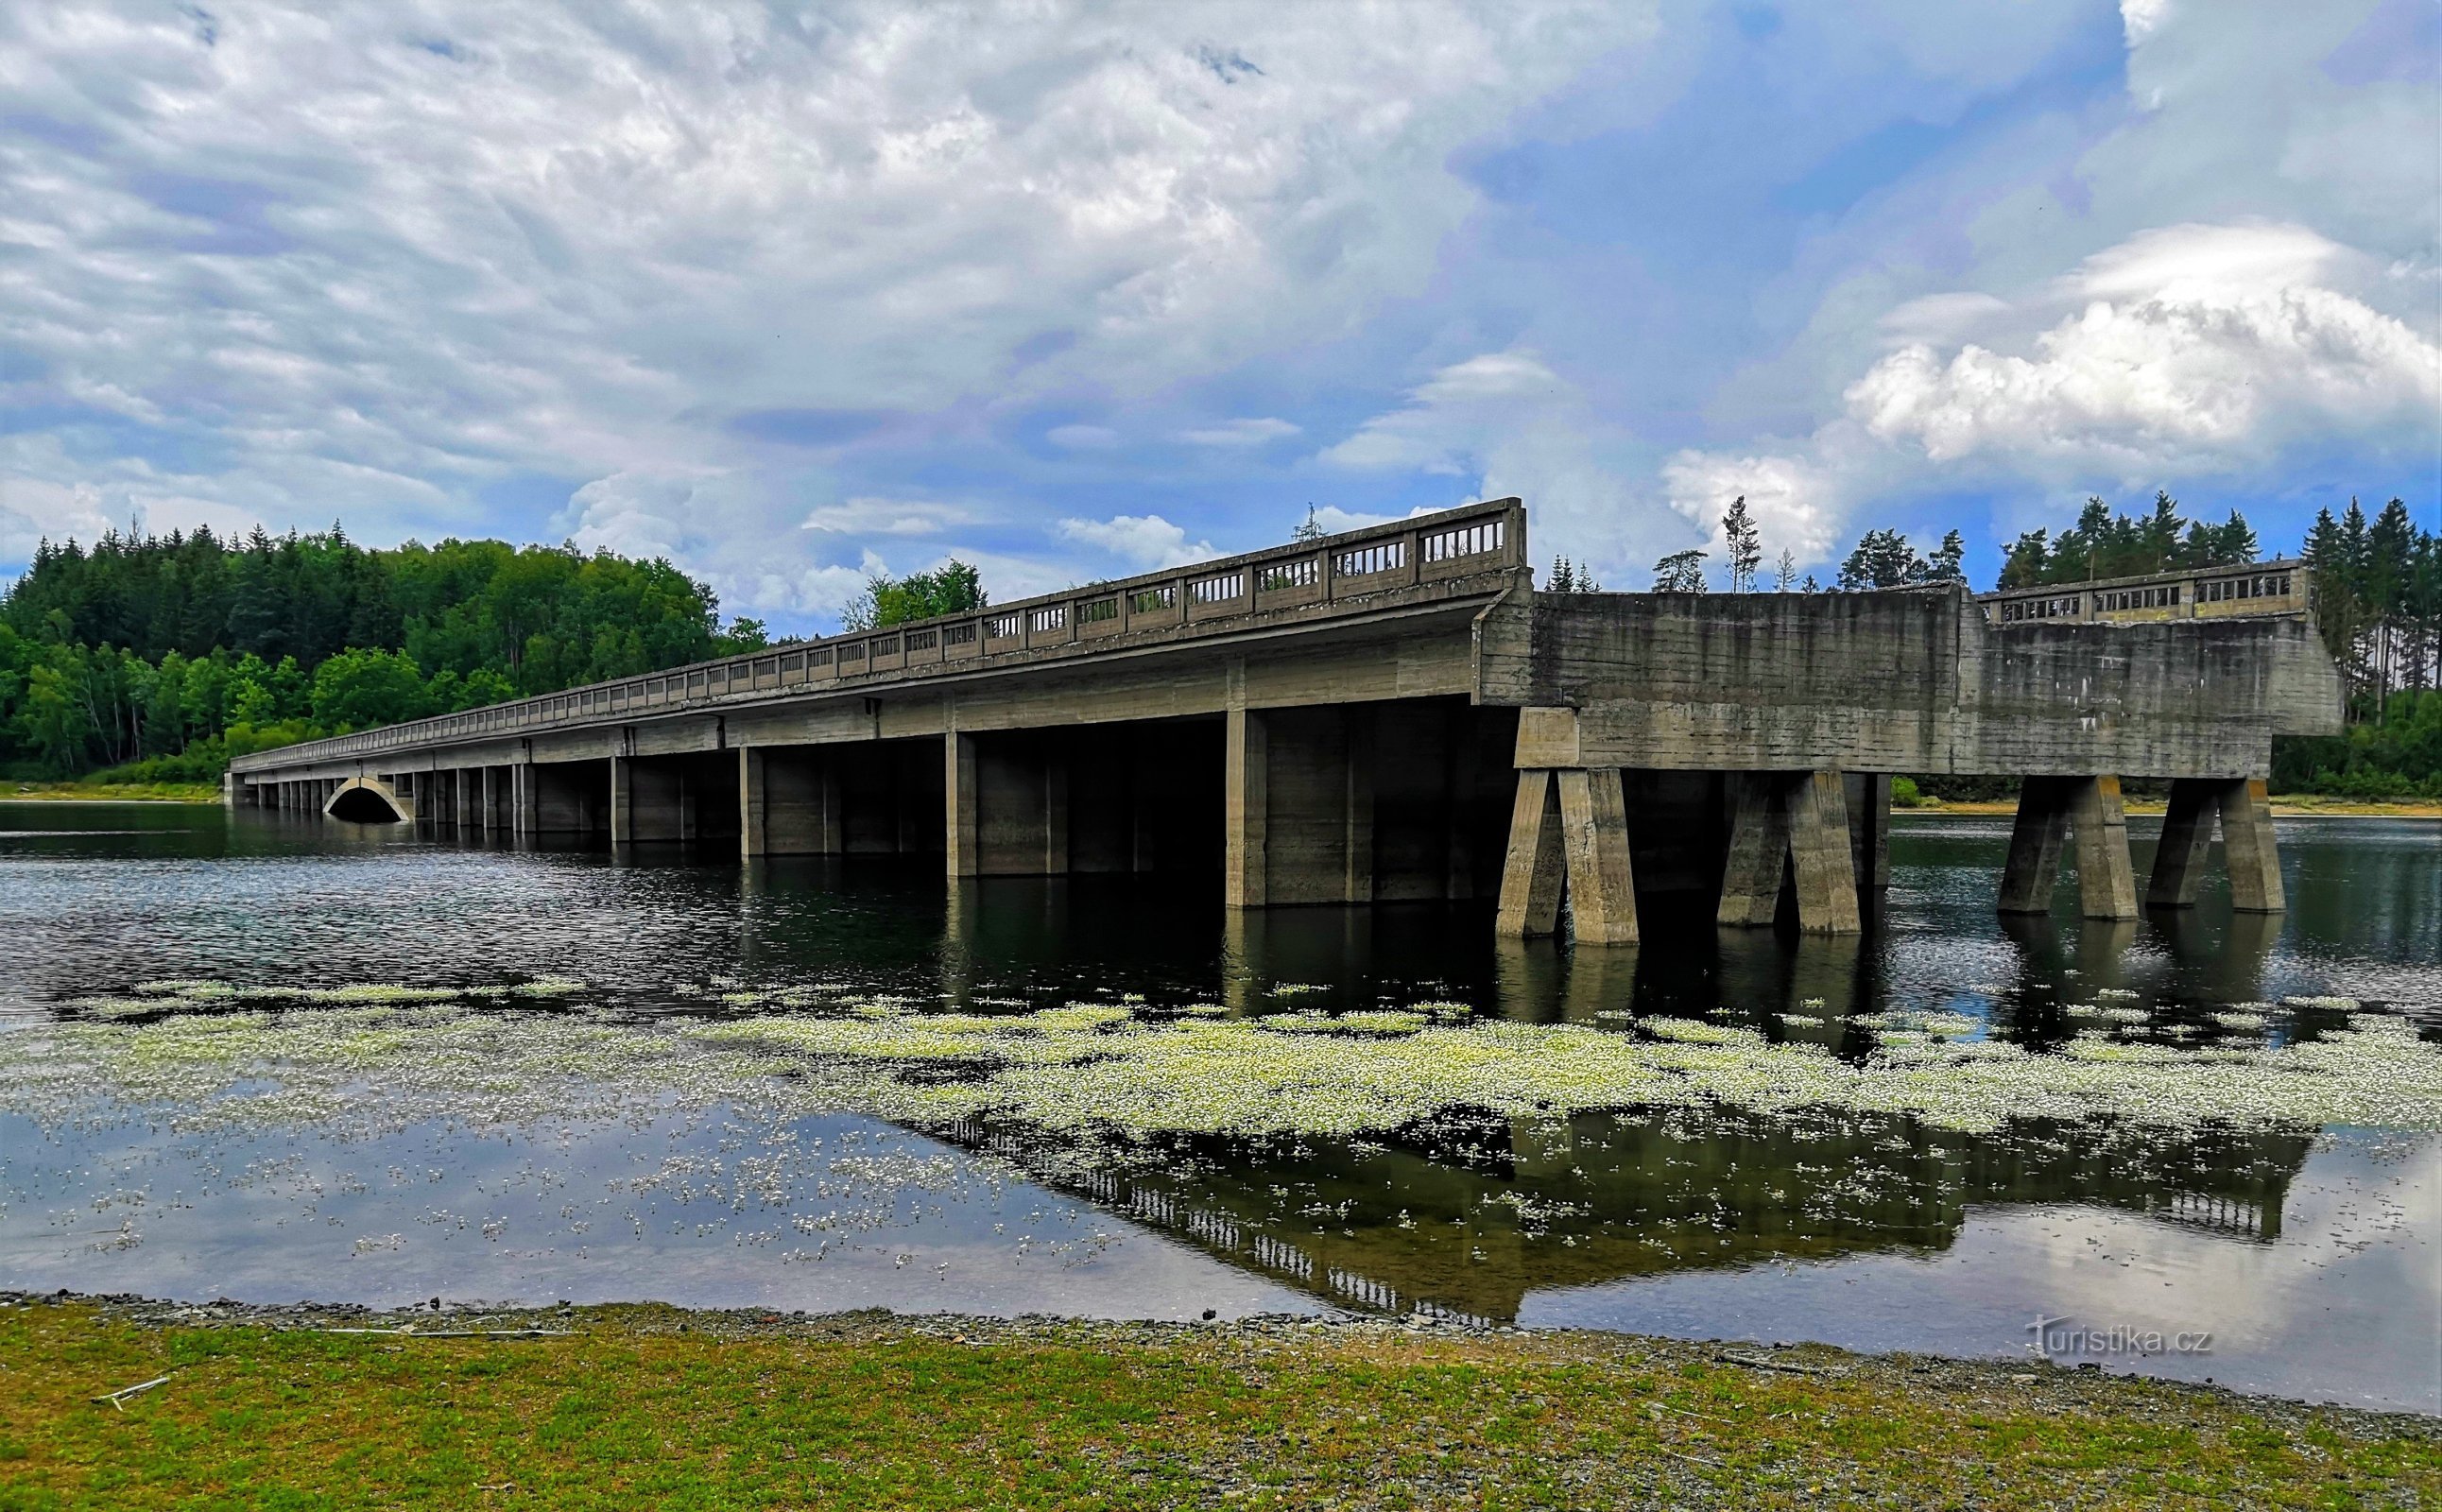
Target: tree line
163,656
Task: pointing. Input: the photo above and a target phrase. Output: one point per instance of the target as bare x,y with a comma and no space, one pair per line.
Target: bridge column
524,820
469,798
2035,837
1759,852
1245,802
2249,850
2248,847
1819,853
2187,836
1298,806
647,801
1601,881
2050,809
1795,824
1532,872
784,803
1870,834
958,804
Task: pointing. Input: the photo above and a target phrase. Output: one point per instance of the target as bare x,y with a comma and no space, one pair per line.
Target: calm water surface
2311,1258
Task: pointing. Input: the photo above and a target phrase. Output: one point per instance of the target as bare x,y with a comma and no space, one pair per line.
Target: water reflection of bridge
1466,1220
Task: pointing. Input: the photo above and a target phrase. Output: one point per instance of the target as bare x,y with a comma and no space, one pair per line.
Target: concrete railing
1347,570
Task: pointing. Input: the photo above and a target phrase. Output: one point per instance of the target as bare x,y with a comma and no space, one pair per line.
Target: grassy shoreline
646,1405
109,792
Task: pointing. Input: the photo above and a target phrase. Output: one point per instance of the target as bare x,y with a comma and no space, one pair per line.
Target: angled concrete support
1759,851
1531,874
2187,838
1601,881
2035,838
2106,883
2248,848
1819,854
2050,809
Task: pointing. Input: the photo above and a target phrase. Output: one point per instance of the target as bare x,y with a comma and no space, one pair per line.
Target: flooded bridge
1396,714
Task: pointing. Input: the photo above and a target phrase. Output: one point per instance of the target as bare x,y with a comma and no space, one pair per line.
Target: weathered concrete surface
1909,680
369,800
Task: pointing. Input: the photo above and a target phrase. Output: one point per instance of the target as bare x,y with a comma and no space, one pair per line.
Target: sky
792,294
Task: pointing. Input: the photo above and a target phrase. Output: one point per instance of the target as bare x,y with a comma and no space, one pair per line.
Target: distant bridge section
1394,713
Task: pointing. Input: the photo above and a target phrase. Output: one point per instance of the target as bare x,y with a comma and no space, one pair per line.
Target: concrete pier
1395,714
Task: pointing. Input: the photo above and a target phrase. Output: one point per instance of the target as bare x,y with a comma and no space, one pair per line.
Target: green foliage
2398,757
2105,543
1571,577
1744,543
1882,558
1905,794
1680,572
189,649
954,588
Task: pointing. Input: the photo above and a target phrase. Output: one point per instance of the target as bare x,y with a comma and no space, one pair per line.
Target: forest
158,658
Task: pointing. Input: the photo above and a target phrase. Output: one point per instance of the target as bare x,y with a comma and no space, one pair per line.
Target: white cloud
1142,541
870,516
2196,347
1251,433
2183,350
1082,438
374,262
1511,424
1449,418
1796,501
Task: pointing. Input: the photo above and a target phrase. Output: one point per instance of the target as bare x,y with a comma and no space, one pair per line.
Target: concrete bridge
1394,713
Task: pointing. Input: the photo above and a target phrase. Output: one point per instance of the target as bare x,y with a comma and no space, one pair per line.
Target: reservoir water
273,1059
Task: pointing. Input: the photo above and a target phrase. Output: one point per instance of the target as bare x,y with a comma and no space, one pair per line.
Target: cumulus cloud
1142,541
2185,349
2194,347
1250,432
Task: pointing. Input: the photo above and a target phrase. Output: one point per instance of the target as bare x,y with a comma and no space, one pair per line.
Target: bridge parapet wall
1903,681
1475,552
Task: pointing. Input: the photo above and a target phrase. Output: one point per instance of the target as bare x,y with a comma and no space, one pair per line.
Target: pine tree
1743,543
1680,572
1787,570
1948,563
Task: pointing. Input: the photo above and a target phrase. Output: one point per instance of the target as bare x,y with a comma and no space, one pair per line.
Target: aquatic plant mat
272,1055
642,1406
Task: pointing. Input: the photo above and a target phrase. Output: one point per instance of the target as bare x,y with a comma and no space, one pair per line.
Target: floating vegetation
1365,1021
1101,1066
2240,1019
2336,1004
